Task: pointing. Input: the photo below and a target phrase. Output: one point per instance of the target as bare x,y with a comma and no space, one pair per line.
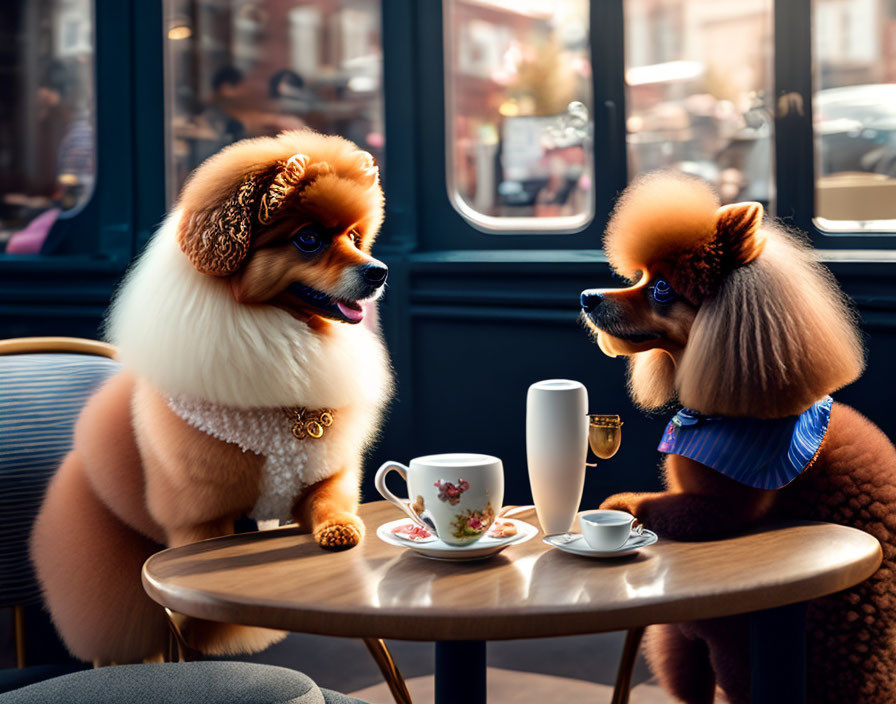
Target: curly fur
699,246
218,240
641,230
773,337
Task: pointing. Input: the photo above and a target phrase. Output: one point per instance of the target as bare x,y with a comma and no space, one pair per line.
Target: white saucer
578,546
435,549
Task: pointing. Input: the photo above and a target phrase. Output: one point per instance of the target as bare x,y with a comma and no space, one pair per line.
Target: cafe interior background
503,129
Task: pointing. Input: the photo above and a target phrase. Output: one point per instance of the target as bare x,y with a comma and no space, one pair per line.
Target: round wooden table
281,579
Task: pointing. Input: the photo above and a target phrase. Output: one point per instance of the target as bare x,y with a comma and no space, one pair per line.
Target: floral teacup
459,493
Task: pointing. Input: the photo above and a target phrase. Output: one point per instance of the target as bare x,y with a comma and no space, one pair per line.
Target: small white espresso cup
606,529
461,493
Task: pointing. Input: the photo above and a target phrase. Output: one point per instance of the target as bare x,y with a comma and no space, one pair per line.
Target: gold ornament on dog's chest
308,423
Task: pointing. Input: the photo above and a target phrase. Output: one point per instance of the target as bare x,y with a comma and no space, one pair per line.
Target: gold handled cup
604,435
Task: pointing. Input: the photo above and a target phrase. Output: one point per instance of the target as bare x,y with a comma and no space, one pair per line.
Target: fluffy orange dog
734,317
248,388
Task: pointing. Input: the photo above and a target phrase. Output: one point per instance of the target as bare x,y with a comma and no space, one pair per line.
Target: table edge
390,622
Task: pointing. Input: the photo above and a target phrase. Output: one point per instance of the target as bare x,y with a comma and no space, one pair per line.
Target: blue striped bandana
762,453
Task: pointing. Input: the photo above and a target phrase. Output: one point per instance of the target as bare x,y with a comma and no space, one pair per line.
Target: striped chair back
41,396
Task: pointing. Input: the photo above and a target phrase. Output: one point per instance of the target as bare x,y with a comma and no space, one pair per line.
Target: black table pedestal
778,655
460,672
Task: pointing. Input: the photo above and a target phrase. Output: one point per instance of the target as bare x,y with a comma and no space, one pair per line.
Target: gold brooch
306,423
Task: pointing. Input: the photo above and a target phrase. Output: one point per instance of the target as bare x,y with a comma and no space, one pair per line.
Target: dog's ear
287,181
776,337
739,232
738,239
216,239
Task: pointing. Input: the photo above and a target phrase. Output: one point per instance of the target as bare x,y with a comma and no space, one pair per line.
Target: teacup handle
379,481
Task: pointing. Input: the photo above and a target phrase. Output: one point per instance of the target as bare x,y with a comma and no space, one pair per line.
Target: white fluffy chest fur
184,332
290,464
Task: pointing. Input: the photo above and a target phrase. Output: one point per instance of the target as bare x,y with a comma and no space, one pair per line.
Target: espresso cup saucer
578,546
436,549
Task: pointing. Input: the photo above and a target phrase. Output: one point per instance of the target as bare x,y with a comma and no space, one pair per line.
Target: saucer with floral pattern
404,533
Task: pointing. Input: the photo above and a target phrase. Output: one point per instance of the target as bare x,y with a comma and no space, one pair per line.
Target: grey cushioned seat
178,683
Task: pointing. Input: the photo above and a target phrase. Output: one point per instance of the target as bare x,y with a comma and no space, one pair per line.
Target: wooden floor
579,668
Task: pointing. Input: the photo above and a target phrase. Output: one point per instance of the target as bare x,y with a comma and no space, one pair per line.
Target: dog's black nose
375,273
590,299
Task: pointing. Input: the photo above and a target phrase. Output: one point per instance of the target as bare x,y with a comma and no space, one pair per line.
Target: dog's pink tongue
356,315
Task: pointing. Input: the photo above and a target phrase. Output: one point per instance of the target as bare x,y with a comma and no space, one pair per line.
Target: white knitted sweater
290,464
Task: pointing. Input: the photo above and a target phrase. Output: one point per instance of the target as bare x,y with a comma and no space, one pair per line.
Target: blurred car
855,129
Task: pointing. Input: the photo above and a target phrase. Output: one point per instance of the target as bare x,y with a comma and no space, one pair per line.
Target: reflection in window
854,114
47,142
246,68
699,78
518,96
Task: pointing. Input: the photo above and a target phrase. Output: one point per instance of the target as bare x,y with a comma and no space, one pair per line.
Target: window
518,114
699,77
854,115
47,119
245,69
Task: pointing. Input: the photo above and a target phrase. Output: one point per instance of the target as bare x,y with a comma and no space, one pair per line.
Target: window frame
128,200
442,226
795,137
101,236
494,224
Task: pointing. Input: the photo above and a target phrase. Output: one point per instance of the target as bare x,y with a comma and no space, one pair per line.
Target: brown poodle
734,317
249,388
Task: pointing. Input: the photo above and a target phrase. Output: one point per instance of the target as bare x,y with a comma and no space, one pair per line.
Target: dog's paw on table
629,502
340,533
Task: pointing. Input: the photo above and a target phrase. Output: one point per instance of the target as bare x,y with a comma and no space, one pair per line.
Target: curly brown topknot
674,222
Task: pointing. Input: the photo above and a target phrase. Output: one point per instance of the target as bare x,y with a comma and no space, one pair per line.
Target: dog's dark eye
662,291
356,238
307,241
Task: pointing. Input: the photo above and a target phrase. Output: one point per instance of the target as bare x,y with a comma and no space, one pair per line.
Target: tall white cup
556,448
